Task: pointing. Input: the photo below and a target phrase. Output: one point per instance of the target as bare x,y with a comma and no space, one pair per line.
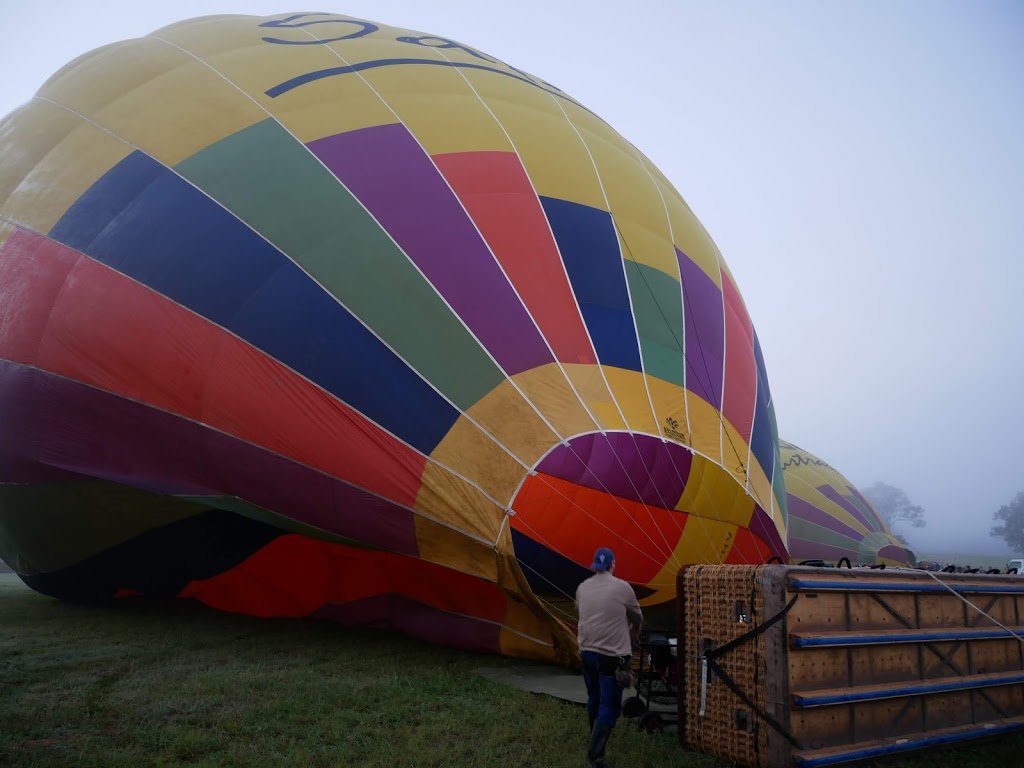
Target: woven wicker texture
722,602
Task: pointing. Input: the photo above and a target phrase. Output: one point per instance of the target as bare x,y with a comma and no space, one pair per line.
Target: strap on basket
708,661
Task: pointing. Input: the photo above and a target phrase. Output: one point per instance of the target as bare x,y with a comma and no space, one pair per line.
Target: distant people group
939,567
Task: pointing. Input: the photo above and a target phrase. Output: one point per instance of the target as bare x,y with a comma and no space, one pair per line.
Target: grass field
172,684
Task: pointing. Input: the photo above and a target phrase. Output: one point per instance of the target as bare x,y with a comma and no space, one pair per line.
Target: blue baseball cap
603,558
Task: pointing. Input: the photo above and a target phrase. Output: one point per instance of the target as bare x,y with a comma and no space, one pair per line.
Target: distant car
1017,565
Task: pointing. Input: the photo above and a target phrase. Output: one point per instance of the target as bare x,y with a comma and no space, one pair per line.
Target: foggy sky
860,165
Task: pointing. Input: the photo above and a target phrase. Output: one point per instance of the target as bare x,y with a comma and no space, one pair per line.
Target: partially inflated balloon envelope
310,316
830,519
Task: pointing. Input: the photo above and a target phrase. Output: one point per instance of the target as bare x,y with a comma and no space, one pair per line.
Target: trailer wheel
633,707
650,722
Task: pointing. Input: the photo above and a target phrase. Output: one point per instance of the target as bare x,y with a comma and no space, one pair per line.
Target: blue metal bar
918,689
906,746
869,585
903,637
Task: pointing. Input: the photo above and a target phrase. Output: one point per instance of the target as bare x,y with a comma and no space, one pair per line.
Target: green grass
172,684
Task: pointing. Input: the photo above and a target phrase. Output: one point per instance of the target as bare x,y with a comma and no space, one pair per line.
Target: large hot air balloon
830,519
311,316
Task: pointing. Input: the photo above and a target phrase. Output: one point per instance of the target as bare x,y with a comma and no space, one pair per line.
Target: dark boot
598,741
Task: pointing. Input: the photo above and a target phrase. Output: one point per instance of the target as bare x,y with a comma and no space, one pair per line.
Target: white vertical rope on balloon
412,264
206,426
554,242
546,542
562,439
701,485
636,333
670,553
618,239
682,348
722,423
777,450
592,517
682,298
426,457
383,101
746,484
569,381
682,284
513,383
753,419
722,426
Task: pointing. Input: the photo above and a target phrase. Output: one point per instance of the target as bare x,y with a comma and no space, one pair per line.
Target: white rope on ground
986,615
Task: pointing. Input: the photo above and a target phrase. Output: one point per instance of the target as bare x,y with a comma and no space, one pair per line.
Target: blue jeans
604,694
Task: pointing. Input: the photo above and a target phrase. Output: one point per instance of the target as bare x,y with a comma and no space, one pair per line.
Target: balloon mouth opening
615,489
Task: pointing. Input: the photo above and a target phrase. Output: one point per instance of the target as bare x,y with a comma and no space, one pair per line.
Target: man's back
606,605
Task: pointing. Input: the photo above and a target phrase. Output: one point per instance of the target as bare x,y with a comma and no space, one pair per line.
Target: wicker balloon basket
793,666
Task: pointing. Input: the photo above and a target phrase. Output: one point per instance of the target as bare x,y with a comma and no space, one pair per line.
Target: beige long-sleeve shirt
606,606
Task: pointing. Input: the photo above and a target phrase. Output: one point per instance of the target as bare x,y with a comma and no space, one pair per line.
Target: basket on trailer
784,666
654,667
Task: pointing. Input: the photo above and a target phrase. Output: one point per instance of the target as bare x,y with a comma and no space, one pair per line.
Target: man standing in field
607,607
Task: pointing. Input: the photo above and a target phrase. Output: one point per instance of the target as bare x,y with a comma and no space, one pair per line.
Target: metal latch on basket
703,685
709,659
707,646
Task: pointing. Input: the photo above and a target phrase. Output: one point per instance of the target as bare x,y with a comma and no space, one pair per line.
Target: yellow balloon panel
102,77
702,541
449,546
311,112
592,386
705,425
829,518
715,494
456,504
440,109
690,236
551,390
632,399
480,459
552,153
639,212
68,169
39,127
175,114
514,422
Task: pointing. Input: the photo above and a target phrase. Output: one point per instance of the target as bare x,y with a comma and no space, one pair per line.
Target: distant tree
1010,523
894,506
